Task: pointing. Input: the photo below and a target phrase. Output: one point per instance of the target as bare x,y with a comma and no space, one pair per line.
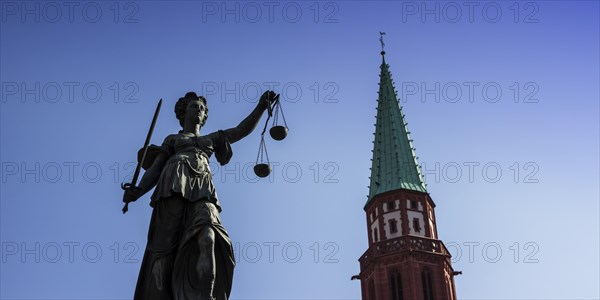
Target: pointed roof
394,163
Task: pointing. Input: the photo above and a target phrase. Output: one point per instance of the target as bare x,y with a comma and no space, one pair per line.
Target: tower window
375,237
427,286
391,205
371,290
393,225
413,204
416,225
396,285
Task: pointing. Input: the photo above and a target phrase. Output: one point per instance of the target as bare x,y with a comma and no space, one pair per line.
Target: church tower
405,259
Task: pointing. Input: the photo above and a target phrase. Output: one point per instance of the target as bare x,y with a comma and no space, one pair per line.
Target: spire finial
381,34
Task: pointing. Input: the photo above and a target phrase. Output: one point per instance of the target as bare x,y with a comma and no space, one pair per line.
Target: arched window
371,290
396,285
427,285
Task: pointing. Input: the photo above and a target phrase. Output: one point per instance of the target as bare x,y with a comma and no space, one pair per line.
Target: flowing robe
184,204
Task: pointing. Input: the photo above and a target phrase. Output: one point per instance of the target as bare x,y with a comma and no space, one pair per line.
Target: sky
501,98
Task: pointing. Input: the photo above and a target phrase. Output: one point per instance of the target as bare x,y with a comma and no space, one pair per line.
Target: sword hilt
126,187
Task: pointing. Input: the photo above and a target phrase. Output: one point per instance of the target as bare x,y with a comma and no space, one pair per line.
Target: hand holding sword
133,192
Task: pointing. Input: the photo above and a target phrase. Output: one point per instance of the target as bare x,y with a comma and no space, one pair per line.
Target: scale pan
278,133
262,170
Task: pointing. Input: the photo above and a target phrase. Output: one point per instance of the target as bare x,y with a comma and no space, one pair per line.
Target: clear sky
501,98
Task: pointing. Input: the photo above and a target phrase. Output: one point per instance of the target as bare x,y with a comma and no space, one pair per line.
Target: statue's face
195,111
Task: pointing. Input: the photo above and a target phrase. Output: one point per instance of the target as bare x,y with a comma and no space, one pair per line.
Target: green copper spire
394,164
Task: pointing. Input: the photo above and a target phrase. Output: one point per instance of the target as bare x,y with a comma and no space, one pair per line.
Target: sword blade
138,168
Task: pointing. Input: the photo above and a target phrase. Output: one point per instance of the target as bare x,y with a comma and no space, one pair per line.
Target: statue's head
191,106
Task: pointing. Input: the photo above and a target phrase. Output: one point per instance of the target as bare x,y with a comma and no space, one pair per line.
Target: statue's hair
182,104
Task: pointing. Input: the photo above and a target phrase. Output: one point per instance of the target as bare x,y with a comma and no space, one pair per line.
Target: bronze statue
189,254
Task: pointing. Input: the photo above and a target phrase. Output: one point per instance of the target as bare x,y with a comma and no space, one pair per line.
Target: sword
126,186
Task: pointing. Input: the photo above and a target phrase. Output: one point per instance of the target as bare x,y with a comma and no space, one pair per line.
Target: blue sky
501,99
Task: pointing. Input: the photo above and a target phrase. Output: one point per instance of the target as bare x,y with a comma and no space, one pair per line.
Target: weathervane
381,34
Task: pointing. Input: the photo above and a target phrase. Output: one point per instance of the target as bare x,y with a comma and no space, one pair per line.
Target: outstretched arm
249,123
